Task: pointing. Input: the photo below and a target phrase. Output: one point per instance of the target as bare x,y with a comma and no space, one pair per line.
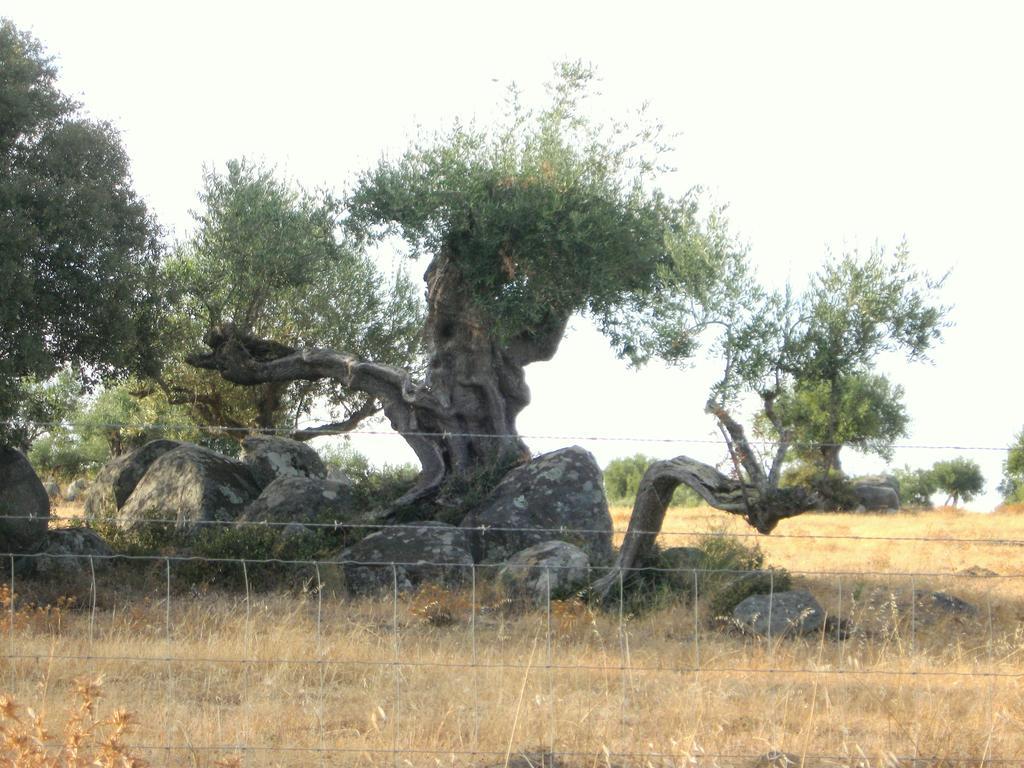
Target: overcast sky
823,126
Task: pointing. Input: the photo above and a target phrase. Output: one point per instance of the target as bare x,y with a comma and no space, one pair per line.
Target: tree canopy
1012,483
78,249
959,478
810,358
525,224
268,258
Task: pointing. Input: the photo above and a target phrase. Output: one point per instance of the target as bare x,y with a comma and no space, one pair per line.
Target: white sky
820,124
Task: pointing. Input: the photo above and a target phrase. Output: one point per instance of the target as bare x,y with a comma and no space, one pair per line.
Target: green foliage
833,486
1012,483
41,405
266,257
622,480
810,357
549,214
732,571
917,486
373,487
112,422
864,411
78,249
959,478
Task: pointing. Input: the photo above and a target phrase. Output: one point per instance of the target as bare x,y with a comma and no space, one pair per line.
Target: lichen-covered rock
301,500
408,555
188,486
555,568
780,614
52,489
24,504
944,603
118,478
272,457
75,490
557,495
876,498
68,552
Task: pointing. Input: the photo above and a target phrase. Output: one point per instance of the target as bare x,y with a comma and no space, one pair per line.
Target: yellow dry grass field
459,677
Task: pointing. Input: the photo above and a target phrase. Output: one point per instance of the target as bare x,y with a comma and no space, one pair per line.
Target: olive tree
78,250
809,362
523,226
959,478
268,257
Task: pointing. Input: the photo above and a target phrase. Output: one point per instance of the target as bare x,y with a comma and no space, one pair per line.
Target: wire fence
437,656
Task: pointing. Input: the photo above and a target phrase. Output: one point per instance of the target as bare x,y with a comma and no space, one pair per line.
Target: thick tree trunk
459,418
762,510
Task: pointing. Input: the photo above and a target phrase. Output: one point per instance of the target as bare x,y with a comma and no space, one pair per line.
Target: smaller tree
959,478
267,258
1012,484
917,486
622,481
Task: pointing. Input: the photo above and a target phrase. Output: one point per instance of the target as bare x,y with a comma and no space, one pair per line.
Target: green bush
916,487
622,481
833,486
733,571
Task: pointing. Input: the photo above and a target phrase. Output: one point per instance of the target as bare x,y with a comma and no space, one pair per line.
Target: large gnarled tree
523,227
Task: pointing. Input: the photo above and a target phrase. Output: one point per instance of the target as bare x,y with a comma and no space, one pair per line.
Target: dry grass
311,679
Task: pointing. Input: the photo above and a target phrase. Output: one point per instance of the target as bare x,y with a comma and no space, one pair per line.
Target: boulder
301,500
272,457
557,495
118,478
52,489
24,504
68,551
551,567
76,490
676,567
414,554
888,481
874,498
188,486
781,614
943,603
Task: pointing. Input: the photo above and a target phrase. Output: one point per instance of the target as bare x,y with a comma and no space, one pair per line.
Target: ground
308,677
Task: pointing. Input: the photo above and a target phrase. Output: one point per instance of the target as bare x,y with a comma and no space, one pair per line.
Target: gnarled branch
762,510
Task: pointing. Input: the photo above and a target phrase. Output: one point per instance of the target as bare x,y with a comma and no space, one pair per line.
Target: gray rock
887,481
272,457
781,614
190,485
412,554
301,500
68,552
52,489
76,490
945,603
978,572
551,567
116,481
557,495
875,498
677,565
24,504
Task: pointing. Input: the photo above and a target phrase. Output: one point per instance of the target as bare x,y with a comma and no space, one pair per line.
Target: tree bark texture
459,417
762,510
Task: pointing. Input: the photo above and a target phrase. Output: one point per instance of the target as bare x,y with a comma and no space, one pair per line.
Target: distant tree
622,481
78,251
917,486
42,406
1012,483
959,478
267,258
809,359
